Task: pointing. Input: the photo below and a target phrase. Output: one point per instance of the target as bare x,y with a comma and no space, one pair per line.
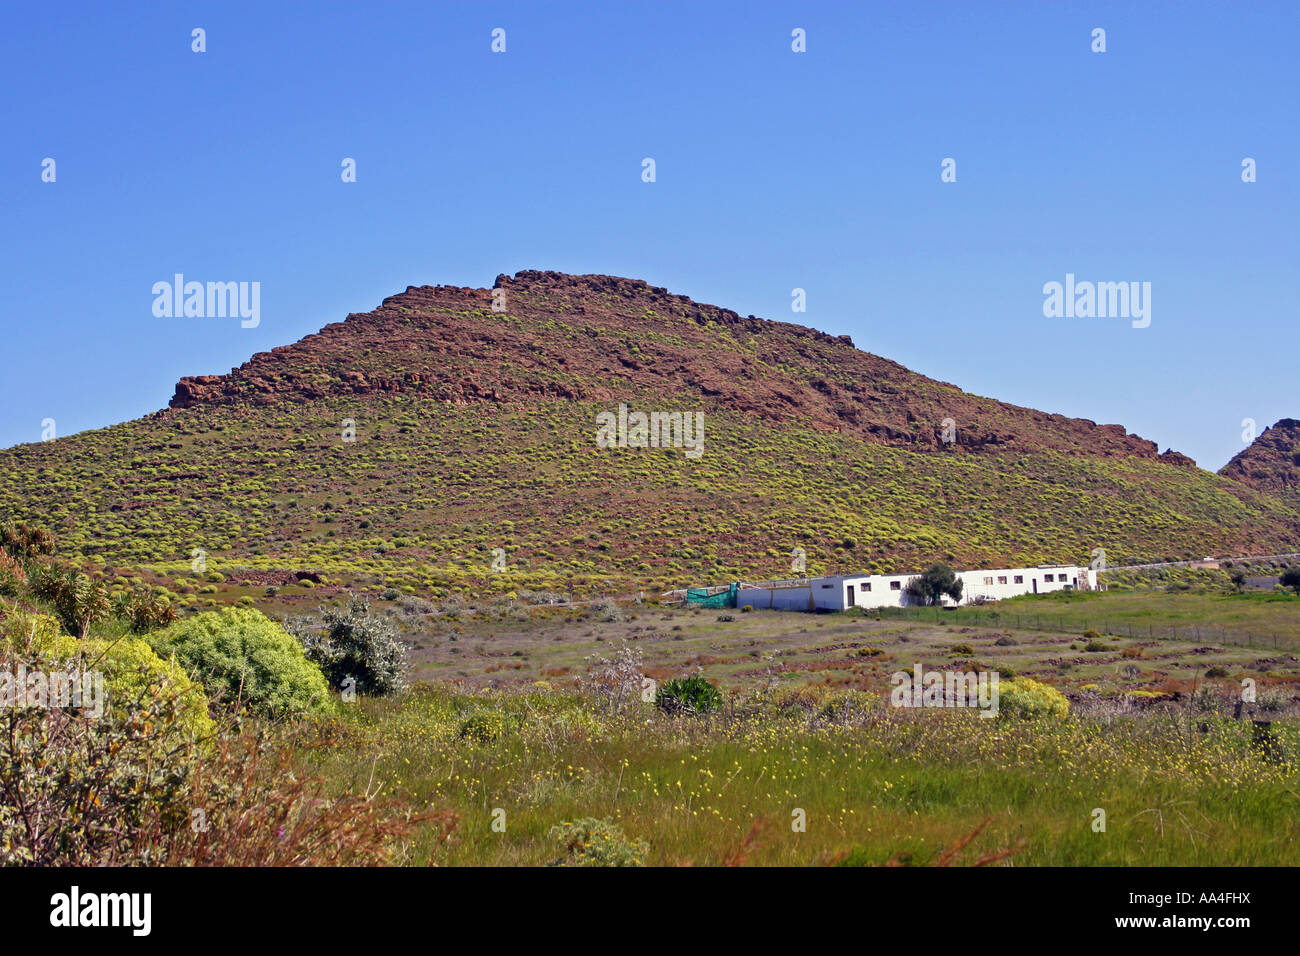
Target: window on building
895,585
1002,579
988,580
1018,579
1047,577
866,585
828,585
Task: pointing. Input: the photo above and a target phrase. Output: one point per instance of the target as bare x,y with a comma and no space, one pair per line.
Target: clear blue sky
776,170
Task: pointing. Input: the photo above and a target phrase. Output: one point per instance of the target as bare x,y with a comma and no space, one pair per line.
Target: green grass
1260,620
896,787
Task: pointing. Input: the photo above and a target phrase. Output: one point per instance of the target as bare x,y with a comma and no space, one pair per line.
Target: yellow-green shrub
244,657
130,667
1023,697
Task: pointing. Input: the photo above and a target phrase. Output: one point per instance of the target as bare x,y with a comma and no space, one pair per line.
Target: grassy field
508,732
533,733
873,786
496,646
1261,619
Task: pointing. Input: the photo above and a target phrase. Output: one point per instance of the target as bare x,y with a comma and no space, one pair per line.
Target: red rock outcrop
606,339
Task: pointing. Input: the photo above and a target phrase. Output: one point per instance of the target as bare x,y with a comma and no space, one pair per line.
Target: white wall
831,594
973,586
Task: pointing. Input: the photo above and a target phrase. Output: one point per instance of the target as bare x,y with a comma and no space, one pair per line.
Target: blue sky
775,170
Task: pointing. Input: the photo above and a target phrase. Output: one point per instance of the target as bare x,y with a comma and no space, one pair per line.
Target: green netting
701,597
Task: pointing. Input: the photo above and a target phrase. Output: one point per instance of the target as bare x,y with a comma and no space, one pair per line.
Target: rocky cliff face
546,335
1272,461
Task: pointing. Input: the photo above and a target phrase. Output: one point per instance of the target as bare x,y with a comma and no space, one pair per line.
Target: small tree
1290,578
929,587
1238,578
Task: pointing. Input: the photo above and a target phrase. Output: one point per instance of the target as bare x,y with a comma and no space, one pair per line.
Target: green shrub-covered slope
427,490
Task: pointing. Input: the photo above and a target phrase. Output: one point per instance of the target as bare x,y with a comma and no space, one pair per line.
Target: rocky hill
452,433
1271,463
607,339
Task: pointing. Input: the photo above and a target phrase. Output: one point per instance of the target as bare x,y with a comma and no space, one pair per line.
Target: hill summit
604,338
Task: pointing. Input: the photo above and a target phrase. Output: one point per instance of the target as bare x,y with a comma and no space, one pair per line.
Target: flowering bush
484,727
591,842
615,680
1023,697
131,669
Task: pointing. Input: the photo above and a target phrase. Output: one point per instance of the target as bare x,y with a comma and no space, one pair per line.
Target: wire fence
1191,633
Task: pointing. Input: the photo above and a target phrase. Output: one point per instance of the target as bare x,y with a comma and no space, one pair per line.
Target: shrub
354,648
75,786
79,601
483,727
687,695
1098,646
1273,698
591,842
1027,698
1006,640
245,658
1091,634
144,610
128,789
606,610
846,707
961,650
615,680
1290,578
131,669
796,700
25,542
1217,671
12,575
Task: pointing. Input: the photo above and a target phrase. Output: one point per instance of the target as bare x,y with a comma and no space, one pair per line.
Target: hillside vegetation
435,445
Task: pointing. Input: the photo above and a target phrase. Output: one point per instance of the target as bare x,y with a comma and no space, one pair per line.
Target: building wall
828,594
888,590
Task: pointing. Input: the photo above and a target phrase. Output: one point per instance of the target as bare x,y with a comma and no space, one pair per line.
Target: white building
890,590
